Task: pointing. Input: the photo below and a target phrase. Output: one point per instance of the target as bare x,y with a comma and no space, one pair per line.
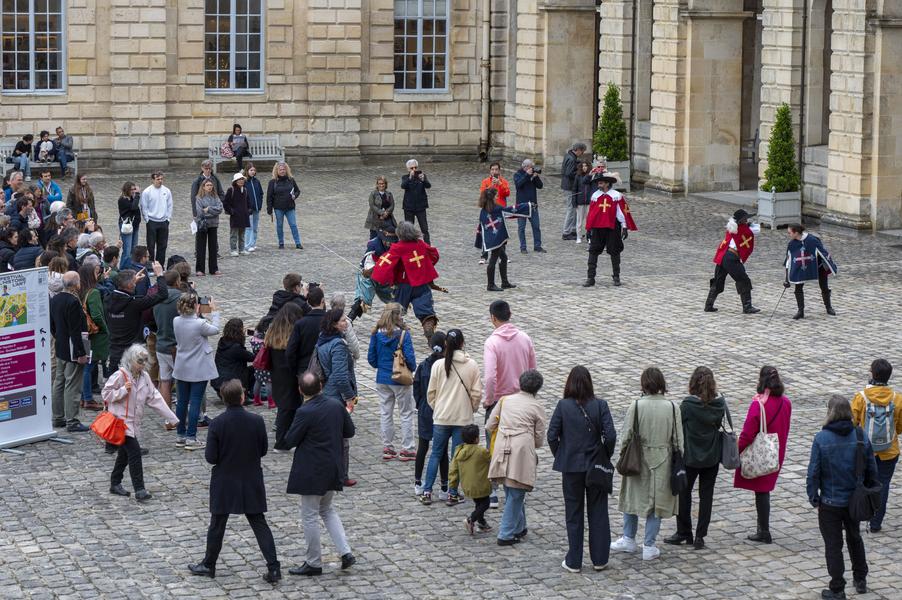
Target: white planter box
623,168
779,209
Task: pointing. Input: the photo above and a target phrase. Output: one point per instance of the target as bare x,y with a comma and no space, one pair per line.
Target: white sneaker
194,445
252,249
579,240
568,569
28,179
650,552
243,253
417,490
234,253
482,261
442,495
624,544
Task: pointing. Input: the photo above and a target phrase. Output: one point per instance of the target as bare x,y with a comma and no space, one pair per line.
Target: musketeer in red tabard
410,266
736,248
608,223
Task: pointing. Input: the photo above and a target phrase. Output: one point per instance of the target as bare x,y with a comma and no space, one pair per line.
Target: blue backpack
879,424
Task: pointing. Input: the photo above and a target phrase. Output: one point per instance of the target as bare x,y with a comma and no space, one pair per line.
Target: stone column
615,49
886,171
528,116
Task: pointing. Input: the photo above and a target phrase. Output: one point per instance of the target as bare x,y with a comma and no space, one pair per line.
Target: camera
312,284
417,173
249,332
537,170
203,300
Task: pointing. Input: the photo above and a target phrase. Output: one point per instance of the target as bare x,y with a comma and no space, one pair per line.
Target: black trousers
284,417
420,216
157,240
498,254
577,497
129,454
833,521
707,477
240,155
206,243
422,456
261,531
821,282
478,514
732,266
605,240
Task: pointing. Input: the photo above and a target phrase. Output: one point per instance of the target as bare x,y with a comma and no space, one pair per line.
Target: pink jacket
143,394
508,352
778,411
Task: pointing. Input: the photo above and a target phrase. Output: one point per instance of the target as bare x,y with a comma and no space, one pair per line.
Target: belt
733,250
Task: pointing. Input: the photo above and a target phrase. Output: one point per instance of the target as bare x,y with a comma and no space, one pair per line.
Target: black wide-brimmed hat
608,176
740,215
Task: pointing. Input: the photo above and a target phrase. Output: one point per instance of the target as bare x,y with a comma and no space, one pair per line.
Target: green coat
470,467
100,341
701,429
650,490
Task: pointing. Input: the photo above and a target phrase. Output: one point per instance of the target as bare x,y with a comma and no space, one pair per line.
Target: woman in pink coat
777,412
126,393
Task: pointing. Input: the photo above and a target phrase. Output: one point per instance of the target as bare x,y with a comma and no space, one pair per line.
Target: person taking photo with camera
416,201
528,184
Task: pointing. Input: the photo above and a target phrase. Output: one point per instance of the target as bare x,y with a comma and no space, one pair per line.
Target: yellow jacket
879,395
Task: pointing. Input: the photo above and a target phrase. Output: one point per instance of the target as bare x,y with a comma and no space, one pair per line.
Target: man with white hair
68,327
16,183
416,200
527,183
569,188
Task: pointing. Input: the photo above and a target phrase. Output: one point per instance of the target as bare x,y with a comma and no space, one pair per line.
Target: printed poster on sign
25,398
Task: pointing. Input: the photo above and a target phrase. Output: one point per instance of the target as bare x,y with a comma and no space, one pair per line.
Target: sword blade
777,305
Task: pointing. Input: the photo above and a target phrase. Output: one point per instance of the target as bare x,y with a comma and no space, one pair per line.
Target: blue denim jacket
831,470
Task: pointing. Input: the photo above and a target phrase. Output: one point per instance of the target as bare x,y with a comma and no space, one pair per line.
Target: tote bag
630,462
865,500
601,471
762,456
400,372
729,451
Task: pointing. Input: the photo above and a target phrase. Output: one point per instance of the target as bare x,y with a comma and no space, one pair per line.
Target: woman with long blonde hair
281,194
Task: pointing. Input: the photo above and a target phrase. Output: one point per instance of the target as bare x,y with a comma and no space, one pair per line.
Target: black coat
232,361
123,314
130,209
236,440
7,252
26,256
281,193
568,171
285,391
570,439
67,322
237,204
415,198
303,340
317,432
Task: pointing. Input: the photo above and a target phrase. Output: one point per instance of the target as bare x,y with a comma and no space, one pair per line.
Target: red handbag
262,362
109,427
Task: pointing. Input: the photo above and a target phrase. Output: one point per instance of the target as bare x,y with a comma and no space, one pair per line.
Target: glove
625,233
786,284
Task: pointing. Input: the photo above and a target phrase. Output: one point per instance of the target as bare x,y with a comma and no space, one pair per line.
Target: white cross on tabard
493,224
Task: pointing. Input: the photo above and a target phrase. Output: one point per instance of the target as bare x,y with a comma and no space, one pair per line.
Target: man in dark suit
306,332
67,323
320,425
236,441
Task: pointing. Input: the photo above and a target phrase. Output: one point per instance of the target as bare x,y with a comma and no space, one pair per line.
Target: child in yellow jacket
470,473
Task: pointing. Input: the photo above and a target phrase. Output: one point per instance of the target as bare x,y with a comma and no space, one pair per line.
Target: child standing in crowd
470,474
262,378
424,415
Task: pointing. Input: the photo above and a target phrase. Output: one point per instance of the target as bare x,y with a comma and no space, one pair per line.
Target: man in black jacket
67,324
236,441
123,310
306,332
416,201
292,288
569,188
319,428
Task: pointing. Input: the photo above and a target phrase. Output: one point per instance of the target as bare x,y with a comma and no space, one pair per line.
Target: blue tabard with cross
805,257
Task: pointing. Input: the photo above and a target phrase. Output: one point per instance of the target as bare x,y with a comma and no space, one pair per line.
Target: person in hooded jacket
702,413
421,379
830,484
123,310
257,202
233,358
294,290
164,315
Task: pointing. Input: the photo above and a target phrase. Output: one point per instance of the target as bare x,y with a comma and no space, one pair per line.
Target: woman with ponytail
455,389
421,379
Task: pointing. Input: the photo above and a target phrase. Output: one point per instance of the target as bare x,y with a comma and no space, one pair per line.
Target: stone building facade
148,81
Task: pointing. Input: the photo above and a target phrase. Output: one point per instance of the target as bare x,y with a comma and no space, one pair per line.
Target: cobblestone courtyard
63,535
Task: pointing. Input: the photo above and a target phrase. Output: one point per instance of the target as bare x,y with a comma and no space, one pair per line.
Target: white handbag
127,228
762,456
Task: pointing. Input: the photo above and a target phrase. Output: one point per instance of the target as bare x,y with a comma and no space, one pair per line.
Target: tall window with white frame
233,45
33,58
421,45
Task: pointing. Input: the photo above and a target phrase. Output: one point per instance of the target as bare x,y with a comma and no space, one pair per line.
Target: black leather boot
800,301
505,284
356,310
827,303
709,301
490,276
747,307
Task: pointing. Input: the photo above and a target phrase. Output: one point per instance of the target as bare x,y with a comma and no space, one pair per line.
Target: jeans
24,164
250,234
190,394
513,519
422,452
292,223
236,239
129,454
652,526
582,211
403,396
157,240
707,477
832,521
63,157
312,509
206,244
885,469
441,435
570,212
129,241
89,378
576,497
66,395
261,531
536,233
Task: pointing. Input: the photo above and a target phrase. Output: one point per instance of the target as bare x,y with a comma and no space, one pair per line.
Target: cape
491,232
407,262
742,236
603,208
375,248
806,257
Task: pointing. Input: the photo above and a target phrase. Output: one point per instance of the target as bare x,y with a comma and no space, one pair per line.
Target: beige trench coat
650,490
520,420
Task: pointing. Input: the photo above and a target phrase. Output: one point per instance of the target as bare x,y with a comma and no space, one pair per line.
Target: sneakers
389,453
483,526
243,253
624,544
204,422
298,246
252,249
454,500
442,495
493,502
180,442
579,240
407,456
482,261
468,525
417,489
426,498
350,482
234,253
194,445
650,552
600,567
568,569
347,561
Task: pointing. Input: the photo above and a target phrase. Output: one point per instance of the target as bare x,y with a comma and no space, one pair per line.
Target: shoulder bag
678,479
93,328
630,462
601,471
729,451
263,361
762,456
225,150
108,426
126,228
400,372
865,500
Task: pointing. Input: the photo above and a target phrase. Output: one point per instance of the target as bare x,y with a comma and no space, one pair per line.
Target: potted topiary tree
780,196
609,141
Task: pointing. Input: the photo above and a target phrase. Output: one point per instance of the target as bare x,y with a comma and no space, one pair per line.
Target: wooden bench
262,147
6,149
